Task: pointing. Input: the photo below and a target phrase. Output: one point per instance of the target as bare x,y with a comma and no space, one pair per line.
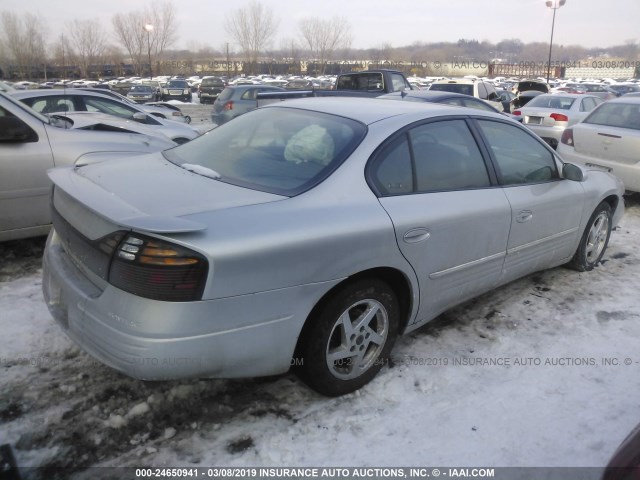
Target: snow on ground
537,394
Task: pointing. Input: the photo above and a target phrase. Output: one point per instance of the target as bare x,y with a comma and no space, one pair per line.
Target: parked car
142,94
609,138
506,97
236,100
169,110
176,90
474,88
448,98
103,122
30,144
154,108
625,88
74,100
602,91
527,90
209,89
310,232
549,114
523,98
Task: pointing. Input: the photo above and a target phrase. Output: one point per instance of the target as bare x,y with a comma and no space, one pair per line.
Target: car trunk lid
146,193
615,144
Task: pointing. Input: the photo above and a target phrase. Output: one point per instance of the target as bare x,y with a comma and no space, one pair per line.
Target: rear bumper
243,336
551,135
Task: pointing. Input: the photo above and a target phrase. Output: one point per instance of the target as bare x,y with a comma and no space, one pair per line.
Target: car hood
149,193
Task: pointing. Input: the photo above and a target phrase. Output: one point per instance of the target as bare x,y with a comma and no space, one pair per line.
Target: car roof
464,81
426,94
629,98
57,91
371,110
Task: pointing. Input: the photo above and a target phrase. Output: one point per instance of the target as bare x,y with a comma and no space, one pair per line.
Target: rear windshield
623,115
463,88
361,81
277,150
553,101
225,95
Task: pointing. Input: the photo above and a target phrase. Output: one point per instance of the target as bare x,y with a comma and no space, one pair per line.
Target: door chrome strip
464,266
542,240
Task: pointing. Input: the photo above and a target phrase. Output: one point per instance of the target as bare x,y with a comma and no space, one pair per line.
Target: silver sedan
310,233
548,115
71,100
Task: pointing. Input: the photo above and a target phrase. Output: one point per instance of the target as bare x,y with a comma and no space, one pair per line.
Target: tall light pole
149,28
555,5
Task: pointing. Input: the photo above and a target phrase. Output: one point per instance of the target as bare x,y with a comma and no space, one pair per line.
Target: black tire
594,240
334,358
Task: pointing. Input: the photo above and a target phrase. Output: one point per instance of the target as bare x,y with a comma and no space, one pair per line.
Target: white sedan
548,115
609,138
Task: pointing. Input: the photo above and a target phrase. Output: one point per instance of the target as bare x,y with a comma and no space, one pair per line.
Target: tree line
252,29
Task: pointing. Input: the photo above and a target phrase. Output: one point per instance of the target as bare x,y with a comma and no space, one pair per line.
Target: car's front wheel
349,338
594,240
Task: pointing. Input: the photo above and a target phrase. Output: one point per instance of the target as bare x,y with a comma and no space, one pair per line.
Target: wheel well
396,280
612,200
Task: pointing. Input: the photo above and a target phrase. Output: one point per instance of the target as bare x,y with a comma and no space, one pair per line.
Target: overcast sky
375,22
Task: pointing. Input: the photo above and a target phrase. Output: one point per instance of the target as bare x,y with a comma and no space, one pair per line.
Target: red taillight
559,117
567,137
517,112
228,105
158,270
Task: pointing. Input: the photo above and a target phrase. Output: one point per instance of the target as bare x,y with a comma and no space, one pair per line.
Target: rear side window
432,157
463,88
226,94
361,81
520,158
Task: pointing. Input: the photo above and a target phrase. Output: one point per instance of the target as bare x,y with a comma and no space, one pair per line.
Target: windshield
277,150
552,101
463,88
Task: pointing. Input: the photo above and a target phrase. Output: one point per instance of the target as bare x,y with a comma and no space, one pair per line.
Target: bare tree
325,37
89,41
252,27
130,31
24,42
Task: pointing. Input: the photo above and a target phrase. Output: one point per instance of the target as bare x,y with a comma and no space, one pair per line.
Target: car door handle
524,216
416,235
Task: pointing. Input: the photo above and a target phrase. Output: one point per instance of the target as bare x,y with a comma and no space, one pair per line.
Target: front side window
399,82
277,150
520,158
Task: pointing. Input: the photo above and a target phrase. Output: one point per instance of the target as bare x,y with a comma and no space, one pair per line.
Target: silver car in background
549,114
31,144
311,233
70,100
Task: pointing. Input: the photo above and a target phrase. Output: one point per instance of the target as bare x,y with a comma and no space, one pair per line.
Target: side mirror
572,172
140,117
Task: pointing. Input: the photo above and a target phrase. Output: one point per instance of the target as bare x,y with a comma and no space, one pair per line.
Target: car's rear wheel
349,338
594,240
